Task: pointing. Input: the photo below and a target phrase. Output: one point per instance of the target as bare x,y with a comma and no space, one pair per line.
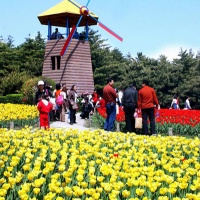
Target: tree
32,55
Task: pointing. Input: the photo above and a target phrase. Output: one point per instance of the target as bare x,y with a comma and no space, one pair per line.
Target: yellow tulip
30,176
58,190
59,198
99,189
96,195
2,180
78,192
125,193
79,178
93,181
3,192
68,191
163,191
84,184
100,178
172,190
139,191
7,174
163,198
36,190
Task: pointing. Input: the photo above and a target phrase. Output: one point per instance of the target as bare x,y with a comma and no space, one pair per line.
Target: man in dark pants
129,103
110,95
147,102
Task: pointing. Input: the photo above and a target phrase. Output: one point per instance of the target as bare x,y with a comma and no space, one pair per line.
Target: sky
153,27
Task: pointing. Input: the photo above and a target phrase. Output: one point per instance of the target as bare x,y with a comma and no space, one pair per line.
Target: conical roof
58,14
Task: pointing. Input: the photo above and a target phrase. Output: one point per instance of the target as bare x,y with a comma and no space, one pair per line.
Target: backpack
59,99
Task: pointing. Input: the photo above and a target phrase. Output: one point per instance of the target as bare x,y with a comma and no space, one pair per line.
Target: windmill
84,11
69,60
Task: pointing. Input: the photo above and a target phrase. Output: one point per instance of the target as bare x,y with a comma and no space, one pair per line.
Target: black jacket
130,95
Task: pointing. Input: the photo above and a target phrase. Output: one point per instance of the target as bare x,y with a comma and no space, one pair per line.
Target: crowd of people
56,35
54,105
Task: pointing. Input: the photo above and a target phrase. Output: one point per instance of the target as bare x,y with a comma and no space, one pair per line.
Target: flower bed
181,121
67,164
19,114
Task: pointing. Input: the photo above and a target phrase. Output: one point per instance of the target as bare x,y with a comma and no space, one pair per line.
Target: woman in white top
175,103
187,104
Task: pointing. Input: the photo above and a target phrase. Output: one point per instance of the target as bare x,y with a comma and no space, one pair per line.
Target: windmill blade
78,6
87,3
68,41
100,24
107,29
110,31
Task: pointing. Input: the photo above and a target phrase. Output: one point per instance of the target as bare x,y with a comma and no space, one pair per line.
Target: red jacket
109,94
94,97
44,107
147,98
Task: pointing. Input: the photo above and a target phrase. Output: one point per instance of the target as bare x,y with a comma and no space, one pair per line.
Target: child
44,107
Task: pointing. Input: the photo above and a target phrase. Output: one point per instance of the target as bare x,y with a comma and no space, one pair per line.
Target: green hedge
19,123
12,98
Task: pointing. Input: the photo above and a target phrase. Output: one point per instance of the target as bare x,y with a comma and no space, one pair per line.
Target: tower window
55,62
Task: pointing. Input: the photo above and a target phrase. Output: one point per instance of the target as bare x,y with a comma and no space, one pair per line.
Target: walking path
79,125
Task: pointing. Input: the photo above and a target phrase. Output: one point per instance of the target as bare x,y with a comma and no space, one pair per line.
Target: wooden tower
75,67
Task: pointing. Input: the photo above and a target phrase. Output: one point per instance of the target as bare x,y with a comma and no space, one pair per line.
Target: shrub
12,98
3,99
29,88
12,83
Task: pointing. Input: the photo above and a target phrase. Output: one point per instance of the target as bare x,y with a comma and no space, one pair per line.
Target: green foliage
3,99
13,82
19,123
32,54
20,64
178,129
30,87
97,120
12,98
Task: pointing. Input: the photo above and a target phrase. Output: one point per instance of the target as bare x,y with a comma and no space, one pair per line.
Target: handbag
75,106
71,102
59,99
138,122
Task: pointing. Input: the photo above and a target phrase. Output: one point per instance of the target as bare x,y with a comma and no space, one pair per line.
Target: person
187,104
101,103
59,106
47,89
44,107
147,101
110,95
56,35
86,109
120,95
76,35
129,104
94,97
49,94
72,101
175,103
41,91
65,90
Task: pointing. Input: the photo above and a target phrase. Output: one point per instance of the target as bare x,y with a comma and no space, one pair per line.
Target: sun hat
40,83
